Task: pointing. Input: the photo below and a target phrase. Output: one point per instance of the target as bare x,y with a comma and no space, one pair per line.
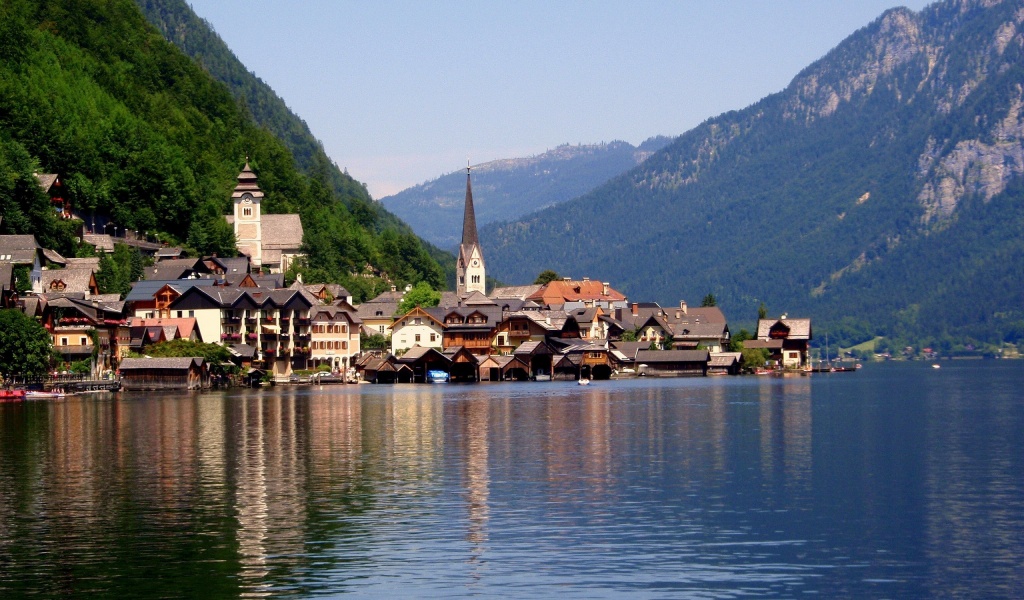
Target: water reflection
691,487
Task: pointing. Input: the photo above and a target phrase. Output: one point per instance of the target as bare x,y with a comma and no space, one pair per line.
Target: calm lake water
898,481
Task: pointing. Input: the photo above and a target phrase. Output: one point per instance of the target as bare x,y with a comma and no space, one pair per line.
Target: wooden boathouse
181,373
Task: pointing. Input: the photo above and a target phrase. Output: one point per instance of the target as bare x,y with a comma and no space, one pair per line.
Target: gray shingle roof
144,290
175,363
799,329
672,356
74,280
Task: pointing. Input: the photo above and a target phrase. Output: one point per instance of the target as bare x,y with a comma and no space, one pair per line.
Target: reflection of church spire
469,271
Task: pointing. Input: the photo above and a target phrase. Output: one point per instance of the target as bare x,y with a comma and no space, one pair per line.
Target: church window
476,279
247,211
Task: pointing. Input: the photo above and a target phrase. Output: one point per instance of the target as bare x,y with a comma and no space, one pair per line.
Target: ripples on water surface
897,481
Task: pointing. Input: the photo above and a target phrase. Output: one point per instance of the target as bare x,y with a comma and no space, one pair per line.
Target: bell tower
248,227
470,273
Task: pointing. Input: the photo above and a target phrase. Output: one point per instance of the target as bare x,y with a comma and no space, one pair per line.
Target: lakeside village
565,329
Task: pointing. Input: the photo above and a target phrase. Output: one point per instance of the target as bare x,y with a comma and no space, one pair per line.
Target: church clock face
476,263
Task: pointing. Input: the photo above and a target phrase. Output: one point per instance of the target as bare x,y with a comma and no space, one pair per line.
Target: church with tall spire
469,271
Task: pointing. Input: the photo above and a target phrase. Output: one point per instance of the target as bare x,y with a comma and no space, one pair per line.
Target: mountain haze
511,188
881,189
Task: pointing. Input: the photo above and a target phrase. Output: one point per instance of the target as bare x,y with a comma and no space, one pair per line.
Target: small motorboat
936,366
437,376
583,382
37,395
7,395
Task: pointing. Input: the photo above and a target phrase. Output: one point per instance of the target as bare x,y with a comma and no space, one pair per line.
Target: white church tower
469,272
248,220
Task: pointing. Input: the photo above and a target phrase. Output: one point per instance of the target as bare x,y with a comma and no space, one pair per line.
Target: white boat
583,382
437,376
37,395
936,366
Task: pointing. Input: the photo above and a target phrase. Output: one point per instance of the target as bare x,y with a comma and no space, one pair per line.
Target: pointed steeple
469,268
469,236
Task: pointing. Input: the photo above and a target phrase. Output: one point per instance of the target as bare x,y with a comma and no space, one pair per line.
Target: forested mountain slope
140,133
880,190
511,188
196,38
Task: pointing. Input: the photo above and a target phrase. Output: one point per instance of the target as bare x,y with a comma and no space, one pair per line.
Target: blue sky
402,92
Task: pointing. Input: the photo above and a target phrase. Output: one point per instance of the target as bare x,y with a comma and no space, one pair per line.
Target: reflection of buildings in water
251,510
785,422
270,481
477,478
335,436
402,439
717,418
577,450
596,424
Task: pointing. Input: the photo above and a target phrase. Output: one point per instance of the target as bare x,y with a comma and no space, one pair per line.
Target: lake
897,481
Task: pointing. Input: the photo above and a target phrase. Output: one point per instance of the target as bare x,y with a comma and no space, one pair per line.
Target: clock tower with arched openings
248,220
469,271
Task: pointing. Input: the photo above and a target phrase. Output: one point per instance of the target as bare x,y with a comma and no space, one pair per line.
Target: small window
83,341
247,211
417,337
63,341
433,337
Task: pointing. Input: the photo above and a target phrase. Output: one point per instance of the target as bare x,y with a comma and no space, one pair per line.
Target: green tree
709,300
736,342
762,311
421,295
631,335
754,358
376,341
27,348
215,355
545,277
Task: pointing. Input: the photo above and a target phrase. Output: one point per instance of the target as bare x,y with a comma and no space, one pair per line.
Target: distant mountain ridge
506,189
881,189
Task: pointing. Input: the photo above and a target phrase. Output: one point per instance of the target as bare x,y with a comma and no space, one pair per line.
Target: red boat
11,395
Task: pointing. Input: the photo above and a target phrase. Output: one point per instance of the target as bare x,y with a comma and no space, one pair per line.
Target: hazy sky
402,92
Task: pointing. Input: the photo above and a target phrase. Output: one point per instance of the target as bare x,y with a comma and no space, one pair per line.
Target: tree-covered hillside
879,192
140,133
196,38
511,188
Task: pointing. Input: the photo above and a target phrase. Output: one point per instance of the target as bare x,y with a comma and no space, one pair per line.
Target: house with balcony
274,322
786,339
471,327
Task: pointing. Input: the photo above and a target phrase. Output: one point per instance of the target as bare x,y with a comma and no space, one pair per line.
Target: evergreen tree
27,348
